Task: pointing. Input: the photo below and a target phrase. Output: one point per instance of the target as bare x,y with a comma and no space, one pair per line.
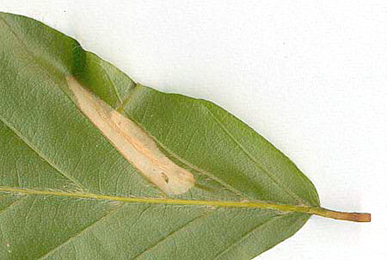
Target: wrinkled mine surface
138,148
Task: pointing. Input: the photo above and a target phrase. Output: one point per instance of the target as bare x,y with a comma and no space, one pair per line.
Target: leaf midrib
169,201
152,201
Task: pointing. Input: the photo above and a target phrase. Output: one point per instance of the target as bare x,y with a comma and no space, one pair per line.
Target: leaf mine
137,147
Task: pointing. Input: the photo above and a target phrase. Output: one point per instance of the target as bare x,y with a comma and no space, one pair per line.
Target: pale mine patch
138,148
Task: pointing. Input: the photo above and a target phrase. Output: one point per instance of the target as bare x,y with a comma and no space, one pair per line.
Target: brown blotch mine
135,145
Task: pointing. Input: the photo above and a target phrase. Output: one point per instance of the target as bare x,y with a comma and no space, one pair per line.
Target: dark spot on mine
165,177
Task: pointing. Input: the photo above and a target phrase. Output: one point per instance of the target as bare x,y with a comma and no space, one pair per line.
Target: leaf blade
229,161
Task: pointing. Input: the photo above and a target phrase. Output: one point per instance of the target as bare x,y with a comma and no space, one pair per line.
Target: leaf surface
95,166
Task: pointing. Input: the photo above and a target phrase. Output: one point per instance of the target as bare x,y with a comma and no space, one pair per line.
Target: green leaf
95,166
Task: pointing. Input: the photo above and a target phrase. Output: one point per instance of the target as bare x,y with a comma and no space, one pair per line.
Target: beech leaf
96,166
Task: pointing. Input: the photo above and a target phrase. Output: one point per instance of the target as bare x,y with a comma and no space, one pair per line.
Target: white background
311,76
